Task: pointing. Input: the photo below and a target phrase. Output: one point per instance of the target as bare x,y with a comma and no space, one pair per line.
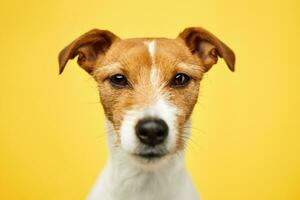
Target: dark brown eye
180,80
118,80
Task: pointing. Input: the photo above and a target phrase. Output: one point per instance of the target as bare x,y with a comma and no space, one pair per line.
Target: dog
148,88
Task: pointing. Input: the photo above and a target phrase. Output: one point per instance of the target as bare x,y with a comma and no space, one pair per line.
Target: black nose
151,131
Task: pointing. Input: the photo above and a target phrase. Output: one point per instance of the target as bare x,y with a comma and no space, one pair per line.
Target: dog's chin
149,162
150,157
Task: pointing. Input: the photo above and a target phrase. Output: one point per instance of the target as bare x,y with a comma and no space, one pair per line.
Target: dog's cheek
128,139
106,98
120,106
110,100
185,99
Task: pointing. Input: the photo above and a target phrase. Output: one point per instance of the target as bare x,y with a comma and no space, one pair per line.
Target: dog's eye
118,80
180,80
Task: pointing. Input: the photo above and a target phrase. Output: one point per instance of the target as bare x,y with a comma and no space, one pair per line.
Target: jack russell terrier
148,88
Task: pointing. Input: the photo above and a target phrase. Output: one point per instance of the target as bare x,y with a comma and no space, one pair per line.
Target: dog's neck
136,181
127,167
130,177
124,178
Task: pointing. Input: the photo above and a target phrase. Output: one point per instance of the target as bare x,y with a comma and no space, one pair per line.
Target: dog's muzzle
152,134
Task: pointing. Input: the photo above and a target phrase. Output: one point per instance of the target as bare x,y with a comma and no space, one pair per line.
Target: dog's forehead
145,51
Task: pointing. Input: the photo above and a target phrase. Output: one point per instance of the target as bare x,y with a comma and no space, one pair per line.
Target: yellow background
246,134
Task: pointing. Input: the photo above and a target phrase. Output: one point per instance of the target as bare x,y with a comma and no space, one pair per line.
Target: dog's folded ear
88,47
207,46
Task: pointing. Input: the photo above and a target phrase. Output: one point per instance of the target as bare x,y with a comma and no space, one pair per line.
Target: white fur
154,77
122,179
161,109
151,45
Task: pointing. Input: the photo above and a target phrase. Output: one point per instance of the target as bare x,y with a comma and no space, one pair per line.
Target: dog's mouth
150,156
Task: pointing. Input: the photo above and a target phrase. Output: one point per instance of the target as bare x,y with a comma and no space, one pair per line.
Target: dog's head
148,86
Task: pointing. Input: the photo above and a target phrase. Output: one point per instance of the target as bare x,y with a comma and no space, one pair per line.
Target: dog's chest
133,185
148,186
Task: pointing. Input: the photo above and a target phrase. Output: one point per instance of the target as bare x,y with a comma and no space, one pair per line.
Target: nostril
142,132
151,131
160,135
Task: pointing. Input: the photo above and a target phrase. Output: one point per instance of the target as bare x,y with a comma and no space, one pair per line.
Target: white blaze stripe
154,76
151,48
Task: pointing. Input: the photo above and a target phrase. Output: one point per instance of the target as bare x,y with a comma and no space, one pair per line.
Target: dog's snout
152,131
